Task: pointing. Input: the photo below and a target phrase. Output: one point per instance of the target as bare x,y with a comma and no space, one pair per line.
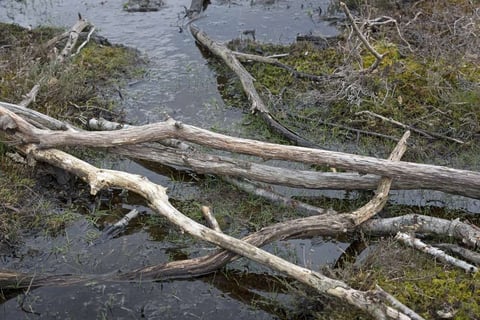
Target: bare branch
428,135
212,222
378,56
437,253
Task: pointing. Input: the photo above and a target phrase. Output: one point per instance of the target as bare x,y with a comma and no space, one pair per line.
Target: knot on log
8,124
178,125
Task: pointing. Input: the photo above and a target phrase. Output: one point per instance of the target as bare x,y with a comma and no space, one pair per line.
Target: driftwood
452,178
437,253
73,35
248,87
222,165
33,140
466,233
158,200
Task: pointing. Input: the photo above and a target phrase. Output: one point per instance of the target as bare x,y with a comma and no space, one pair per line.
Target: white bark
158,200
437,253
453,179
466,233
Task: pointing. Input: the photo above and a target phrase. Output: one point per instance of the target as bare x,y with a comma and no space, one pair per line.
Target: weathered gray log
222,165
158,200
467,233
204,163
452,179
247,80
35,116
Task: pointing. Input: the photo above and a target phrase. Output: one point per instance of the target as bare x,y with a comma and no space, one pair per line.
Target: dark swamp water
179,82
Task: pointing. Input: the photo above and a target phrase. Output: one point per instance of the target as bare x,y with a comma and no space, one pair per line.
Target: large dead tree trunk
371,302
184,156
451,178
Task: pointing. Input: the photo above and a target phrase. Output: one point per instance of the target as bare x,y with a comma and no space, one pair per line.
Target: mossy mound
424,81
74,90
430,288
67,90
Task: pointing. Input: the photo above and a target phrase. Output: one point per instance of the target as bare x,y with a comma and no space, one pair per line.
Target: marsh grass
425,285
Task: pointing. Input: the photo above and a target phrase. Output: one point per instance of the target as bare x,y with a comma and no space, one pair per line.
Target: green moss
433,288
66,90
431,90
106,63
416,279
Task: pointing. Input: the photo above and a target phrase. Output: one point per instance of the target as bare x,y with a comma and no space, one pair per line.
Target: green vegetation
434,87
426,286
430,89
69,91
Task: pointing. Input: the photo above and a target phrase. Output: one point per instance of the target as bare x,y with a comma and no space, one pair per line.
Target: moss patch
433,87
70,90
426,286
76,89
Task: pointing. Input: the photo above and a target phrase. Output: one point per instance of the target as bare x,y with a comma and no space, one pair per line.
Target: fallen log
183,156
247,80
452,179
157,198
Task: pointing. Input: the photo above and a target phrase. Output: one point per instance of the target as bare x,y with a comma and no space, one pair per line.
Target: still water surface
179,83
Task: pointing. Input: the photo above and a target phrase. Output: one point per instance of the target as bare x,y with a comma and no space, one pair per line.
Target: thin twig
429,135
84,43
386,19
358,131
378,56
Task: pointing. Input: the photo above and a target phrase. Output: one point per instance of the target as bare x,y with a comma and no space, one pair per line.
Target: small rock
143,5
